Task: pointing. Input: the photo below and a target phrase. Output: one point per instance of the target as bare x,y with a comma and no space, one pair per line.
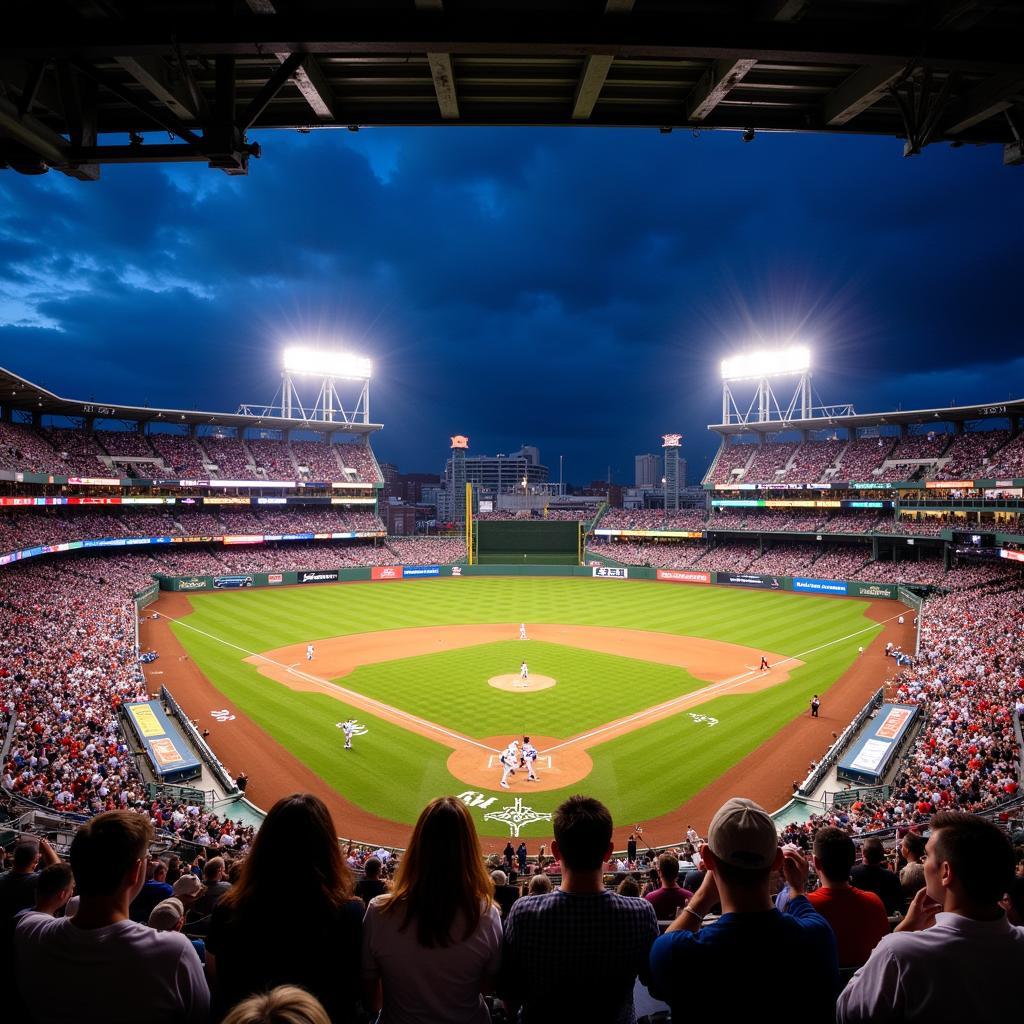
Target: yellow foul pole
469,523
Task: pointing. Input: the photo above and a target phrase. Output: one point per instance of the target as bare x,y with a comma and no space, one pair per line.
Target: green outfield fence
607,569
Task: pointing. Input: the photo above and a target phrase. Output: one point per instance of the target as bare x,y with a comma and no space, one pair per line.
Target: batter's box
543,762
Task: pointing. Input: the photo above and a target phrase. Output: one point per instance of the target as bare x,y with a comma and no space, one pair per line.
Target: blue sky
573,289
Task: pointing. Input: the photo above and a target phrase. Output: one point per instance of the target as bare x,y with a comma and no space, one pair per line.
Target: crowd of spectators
785,560
182,456
78,453
730,459
274,457
863,455
21,448
965,457
812,460
359,460
427,550
1008,461
769,462
652,519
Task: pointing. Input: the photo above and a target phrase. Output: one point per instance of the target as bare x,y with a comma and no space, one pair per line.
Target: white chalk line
334,688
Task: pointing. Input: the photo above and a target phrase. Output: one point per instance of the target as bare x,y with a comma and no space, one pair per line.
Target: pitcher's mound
514,682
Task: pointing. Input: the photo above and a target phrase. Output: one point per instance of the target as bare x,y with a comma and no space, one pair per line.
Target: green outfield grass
640,775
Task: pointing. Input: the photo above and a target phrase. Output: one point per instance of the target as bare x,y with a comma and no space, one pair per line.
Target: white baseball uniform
309,652
508,765
524,672
530,755
348,728
522,630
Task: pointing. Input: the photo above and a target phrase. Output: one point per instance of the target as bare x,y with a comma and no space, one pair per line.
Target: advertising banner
421,570
167,751
193,583
682,576
275,577
881,591
610,572
675,534
732,579
319,576
233,582
947,485
819,586
243,538
386,572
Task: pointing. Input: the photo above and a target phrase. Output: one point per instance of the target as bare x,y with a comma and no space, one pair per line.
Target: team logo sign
223,715
517,816
358,729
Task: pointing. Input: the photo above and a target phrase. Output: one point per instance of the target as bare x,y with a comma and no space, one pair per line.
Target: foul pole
469,523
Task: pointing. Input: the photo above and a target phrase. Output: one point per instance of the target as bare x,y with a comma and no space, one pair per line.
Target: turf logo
223,715
703,719
471,798
358,729
517,816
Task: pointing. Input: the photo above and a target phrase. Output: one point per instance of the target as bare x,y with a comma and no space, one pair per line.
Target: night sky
573,289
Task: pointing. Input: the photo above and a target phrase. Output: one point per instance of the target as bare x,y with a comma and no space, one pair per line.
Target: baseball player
508,766
348,727
513,751
522,631
764,664
529,756
524,672
309,652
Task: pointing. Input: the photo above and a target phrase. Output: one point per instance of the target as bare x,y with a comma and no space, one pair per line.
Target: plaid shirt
576,955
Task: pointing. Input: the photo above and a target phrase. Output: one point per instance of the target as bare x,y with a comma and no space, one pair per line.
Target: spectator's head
668,868
214,870
26,856
834,854
629,886
872,851
743,845
159,870
54,887
912,847
108,855
499,877
372,867
583,834
167,916
968,865
295,860
442,875
188,889
539,885
286,1004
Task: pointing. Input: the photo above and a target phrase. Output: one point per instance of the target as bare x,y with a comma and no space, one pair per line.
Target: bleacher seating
730,458
768,463
965,457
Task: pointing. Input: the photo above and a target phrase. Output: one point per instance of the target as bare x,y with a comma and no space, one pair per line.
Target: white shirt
958,969
440,985
124,972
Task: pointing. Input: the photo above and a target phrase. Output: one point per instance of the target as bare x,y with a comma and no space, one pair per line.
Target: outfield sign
386,572
732,579
232,582
677,534
882,591
319,576
421,570
813,586
682,576
610,572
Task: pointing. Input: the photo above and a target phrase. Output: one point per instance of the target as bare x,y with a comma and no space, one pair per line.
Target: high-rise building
648,470
500,474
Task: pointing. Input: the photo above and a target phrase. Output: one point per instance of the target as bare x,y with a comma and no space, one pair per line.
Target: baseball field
647,695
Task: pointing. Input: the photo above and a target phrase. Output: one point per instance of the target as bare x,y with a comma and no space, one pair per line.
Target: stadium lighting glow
767,363
321,363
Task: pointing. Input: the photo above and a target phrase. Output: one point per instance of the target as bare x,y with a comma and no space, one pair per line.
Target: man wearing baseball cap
736,963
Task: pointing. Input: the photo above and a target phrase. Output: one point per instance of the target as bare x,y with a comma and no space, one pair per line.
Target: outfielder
309,652
529,756
522,631
348,727
508,765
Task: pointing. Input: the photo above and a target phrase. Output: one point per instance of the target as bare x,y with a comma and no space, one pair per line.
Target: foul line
335,689
708,690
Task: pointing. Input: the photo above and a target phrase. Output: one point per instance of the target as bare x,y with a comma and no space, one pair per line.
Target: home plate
514,682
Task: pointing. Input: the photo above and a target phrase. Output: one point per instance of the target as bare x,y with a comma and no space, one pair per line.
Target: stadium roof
18,393
950,414
209,71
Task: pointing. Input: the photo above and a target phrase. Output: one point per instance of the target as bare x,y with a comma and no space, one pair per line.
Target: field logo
608,572
471,798
456,570
358,729
517,816
223,715
703,719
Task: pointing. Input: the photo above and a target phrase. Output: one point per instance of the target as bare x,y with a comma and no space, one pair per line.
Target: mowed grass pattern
640,775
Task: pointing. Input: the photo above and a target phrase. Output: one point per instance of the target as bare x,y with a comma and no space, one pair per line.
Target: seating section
183,457
126,443
652,519
359,459
965,457
23,449
812,460
274,458
231,458
1008,461
730,458
320,460
863,455
768,463
78,453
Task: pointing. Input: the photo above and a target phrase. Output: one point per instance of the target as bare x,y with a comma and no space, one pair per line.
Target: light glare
298,359
767,363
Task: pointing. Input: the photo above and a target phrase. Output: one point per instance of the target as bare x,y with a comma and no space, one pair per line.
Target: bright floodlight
320,363
767,363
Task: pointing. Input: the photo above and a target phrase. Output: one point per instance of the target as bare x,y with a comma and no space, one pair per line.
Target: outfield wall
754,581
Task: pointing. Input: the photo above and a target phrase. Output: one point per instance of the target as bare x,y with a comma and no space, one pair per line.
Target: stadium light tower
309,391
758,368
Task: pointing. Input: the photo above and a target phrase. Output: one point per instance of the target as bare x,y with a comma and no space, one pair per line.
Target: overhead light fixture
767,363
320,363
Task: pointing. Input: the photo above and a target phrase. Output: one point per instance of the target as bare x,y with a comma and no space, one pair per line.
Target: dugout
528,542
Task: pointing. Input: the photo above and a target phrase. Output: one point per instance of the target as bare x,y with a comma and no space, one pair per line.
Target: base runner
530,757
508,766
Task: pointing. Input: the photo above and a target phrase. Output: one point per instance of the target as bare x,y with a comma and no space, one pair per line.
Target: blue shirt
735,965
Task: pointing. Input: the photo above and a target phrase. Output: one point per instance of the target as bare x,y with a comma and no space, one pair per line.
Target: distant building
401,520
503,474
648,470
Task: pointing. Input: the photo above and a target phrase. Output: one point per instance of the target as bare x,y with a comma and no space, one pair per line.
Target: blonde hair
286,1004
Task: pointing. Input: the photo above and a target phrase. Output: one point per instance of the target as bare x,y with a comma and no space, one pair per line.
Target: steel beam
588,88
860,91
715,84
270,89
444,84
982,102
153,74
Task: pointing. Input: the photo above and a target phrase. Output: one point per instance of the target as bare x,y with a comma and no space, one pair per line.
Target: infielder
309,652
348,728
522,631
508,765
529,756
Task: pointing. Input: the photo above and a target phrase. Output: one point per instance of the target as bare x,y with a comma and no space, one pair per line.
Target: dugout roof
23,395
88,82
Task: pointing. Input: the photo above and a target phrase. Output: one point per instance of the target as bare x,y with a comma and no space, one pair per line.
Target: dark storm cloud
573,289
